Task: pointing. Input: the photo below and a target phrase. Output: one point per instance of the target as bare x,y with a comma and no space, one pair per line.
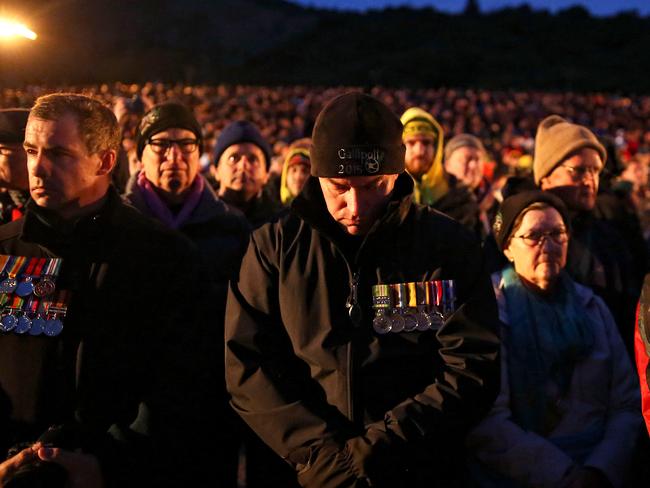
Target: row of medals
18,321
411,307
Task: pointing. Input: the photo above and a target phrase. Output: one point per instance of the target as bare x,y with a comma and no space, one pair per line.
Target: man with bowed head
345,403
114,375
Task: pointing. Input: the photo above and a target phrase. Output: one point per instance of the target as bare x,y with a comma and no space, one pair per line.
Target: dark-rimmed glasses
161,146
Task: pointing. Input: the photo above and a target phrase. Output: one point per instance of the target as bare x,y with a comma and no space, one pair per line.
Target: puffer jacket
602,398
342,404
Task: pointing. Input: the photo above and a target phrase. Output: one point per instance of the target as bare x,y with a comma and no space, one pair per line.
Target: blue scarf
547,336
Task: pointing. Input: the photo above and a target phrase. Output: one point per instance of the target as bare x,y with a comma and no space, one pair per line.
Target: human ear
508,254
107,161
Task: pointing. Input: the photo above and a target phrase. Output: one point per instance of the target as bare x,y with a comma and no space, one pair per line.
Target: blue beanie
237,133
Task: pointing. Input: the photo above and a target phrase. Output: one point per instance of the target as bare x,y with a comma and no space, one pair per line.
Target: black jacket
121,372
219,232
343,405
599,257
460,204
221,235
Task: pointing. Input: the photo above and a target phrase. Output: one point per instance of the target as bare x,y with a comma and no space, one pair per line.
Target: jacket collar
208,208
584,293
46,228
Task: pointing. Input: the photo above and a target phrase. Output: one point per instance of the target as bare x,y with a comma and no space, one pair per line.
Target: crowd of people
504,121
410,287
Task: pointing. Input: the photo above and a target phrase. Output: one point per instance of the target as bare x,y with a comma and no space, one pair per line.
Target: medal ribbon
413,295
32,304
9,264
56,267
53,265
44,308
16,304
438,284
4,260
60,303
29,267
17,265
39,266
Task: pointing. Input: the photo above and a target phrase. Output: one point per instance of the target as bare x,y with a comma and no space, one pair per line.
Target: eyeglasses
161,146
535,238
578,173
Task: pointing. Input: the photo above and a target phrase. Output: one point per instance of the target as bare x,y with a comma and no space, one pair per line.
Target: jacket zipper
352,305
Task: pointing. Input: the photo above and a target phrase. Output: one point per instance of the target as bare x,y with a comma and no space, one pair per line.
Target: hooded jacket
343,405
433,185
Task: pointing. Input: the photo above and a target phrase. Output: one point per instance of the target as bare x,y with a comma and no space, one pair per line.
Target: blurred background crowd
505,122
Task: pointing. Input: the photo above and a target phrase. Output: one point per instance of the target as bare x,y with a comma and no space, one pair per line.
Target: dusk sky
597,7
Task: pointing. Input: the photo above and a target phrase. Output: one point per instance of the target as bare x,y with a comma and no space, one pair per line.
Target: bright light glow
11,28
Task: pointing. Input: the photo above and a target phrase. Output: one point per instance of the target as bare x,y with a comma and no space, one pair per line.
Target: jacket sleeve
517,454
612,454
271,389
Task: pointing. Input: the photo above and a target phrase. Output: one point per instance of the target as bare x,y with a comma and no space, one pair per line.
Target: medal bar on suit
5,312
31,309
23,322
34,269
46,286
422,303
434,291
382,304
410,320
54,326
38,322
9,321
10,283
399,300
5,261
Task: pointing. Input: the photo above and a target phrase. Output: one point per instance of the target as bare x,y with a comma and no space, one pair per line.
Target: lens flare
11,28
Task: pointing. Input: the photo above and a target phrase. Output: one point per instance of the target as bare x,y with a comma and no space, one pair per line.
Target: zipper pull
352,304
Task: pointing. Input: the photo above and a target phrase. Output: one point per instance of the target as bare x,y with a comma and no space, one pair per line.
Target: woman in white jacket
568,414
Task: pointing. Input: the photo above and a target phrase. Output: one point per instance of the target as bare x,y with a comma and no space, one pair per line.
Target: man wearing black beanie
170,189
241,163
336,355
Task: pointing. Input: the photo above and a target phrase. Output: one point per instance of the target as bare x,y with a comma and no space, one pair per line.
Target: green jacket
343,405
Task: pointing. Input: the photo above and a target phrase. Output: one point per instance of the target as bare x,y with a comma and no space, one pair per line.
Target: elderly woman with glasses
568,411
